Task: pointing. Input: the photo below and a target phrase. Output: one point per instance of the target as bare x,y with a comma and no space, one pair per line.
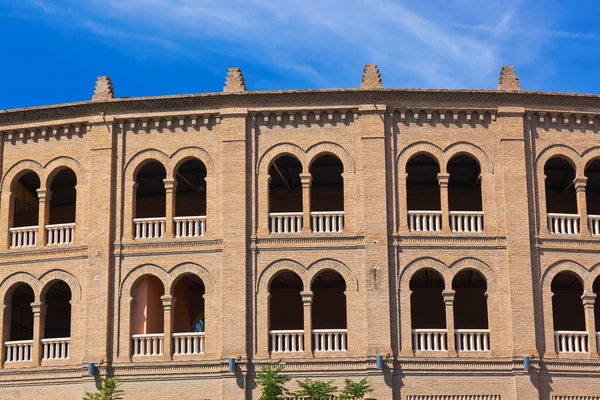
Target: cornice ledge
214,244
449,241
33,255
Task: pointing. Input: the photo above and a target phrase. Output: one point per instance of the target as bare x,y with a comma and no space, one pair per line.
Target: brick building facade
455,234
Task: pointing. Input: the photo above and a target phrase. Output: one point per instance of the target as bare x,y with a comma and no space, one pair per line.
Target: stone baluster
44,216
307,299
449,303
580,185
443,180
306,180
168,313
171,193
39,321
589,300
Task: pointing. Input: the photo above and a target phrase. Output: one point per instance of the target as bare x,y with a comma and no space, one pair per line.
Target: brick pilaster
589,300
443,180
307,300
170,201
306,180
39,321
580,185
168,303
449,304
44,197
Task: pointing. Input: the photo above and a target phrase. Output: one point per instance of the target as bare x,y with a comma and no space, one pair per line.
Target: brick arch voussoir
188,268
58,164
265,278
140,271
188,153
588,156
329,264
280,150
142,158
335,149
562,151
485,163
417,148
476,265
17,170
52,276
564,266
424,263
17,278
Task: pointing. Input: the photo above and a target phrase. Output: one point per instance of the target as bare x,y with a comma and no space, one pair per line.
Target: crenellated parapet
568,120
445,116
306,116
169,122
34,133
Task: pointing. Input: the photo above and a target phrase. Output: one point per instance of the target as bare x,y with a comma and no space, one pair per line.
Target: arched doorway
464,194
62,210
327,195
428,311
25,211
190,200
570,332
19,346
189,322
286,313
57,327
471,324
150,201
561,199
148,317
423,200
329,317
285,195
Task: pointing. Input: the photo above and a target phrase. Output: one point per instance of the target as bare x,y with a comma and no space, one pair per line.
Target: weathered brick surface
237,134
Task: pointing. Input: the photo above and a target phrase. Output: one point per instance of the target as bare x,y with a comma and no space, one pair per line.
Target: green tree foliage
271,382
353,390
108,391
315,390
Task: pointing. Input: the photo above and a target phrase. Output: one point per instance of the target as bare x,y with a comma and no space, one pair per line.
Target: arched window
568,315
286,313
561,199
62,210
190,199
189,320
57,327
592,194
423,199
327,186
148,317
329,320
596,289
470,311
150,201
21,324
26,203
285,195
464,194
428,312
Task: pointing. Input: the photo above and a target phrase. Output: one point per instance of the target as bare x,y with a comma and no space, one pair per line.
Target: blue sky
53,50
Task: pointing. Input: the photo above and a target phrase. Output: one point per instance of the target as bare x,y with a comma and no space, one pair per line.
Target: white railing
430,339
466,221
23,237
55,349
472,339
330,339
289,222
18,350
188,343
287,341
424,221
594,224
60,234
571,341
148,344
149,228
187,227
563,224
327,221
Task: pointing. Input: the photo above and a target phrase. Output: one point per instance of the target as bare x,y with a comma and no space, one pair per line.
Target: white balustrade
148,344
60,234
472,339
425,221
18,350
430,339
466,221
55,349
571,341
327,221
594,224
187,227
563,224
149,228
330,339
287,341
23,237
288,222
188,343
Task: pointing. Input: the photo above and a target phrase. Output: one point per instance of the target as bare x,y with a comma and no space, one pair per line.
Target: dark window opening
189,305
567,306
422,187
285,306
596,289
592,190
329,301
327,186
191,189
560,190
464,186
58,313
21,314
150,195
148,314
428,310
470,302
285,188
63,198
26,206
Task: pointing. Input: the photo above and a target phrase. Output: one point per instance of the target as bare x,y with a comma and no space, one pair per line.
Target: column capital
448,296
306,179
44,194
38,308
580,183
170,184
168,301
307,297
589,299
443,179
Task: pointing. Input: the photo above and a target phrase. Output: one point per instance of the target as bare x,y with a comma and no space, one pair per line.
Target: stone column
589,300
44,215
307,299
171,193
580,184
168,311
306,180
449,303
443,180
39,322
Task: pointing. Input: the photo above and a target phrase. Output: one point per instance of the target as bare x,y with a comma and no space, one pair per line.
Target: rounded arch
188,268
134,275
144,157
564,266
52,276
12,281
187,153
280,150
265,278
562,151
333,265
425,263
58,164
417,148
476,265
334,149
594,273
19,169
470,150
590,155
